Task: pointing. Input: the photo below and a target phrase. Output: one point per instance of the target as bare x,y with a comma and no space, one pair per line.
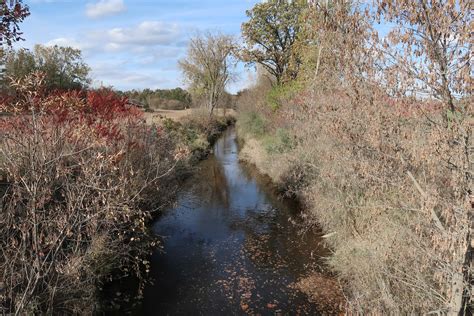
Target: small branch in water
329,235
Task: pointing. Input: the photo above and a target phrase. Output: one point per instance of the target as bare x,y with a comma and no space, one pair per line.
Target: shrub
84,175
252,123
283,93
388,177
389,188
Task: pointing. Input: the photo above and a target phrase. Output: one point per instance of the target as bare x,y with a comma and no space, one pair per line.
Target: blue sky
133,43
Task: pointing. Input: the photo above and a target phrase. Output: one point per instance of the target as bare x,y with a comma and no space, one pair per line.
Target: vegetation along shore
361,111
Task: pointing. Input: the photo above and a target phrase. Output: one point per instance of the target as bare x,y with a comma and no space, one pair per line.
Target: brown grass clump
394,192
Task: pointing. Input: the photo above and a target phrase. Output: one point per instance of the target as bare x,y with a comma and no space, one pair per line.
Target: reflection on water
231,245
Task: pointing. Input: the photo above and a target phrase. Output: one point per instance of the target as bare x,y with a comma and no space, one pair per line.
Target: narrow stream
231,246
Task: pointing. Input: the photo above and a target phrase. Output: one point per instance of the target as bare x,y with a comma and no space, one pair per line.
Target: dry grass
157,116
390,188
389,179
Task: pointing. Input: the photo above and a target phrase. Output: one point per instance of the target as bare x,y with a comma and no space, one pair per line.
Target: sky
133,44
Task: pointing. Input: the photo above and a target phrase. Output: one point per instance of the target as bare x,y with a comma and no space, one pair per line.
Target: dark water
231,246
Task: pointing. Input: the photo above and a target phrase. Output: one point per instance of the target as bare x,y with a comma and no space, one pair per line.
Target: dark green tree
269,36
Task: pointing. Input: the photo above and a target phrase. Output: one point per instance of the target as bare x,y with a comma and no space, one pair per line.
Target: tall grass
389,187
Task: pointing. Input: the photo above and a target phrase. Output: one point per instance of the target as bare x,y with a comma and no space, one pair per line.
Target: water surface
231,246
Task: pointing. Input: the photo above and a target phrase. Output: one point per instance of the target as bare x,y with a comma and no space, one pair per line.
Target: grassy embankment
384,179
193,127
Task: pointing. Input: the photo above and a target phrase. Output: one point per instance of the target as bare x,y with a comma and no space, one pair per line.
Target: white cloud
138,39
105,8
70,42
147,33
132,56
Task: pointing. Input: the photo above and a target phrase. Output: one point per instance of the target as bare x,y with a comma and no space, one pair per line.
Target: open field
158,115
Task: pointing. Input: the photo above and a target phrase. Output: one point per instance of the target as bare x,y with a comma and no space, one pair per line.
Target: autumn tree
208,66
269,36
18,64
12,13
63,67
428,54
430,48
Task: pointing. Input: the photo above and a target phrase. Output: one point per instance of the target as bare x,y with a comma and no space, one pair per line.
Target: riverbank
231,244
196,133
196,130
362,172
83,181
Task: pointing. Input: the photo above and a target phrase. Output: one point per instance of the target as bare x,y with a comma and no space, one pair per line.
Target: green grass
281,94
252,123
279,143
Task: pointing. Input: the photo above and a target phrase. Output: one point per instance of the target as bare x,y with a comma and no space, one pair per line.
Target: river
232,245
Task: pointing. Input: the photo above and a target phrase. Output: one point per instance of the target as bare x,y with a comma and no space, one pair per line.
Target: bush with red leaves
84,174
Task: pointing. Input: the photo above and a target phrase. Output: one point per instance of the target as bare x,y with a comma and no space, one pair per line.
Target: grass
252,124
348,166
278,143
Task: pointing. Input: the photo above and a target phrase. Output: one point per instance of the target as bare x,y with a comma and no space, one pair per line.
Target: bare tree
207,67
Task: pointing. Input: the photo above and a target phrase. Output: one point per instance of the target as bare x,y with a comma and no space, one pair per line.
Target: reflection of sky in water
228,225
228,195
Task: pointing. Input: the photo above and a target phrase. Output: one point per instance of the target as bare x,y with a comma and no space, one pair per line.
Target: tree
18,64
172,99
12,12
430,49
63,66
269,36
207,67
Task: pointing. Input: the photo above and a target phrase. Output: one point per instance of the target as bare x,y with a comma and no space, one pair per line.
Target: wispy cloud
118,75
67,41
105,8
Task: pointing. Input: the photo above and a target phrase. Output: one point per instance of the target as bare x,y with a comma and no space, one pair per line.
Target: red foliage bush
84,174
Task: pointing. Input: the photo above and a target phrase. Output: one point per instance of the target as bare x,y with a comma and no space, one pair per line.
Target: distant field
158,115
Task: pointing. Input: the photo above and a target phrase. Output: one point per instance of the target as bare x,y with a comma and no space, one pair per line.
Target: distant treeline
65,69
171,99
